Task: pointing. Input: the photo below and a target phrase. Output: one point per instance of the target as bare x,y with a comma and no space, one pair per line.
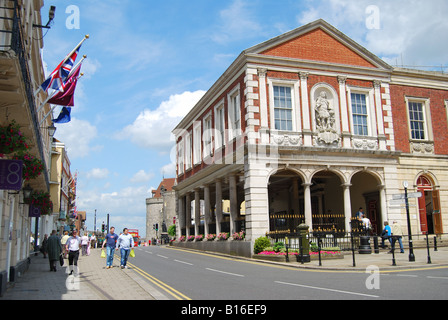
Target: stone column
307,129
188,214
379,115
233,203
347,206
308,207
383,203
218,206
346,141
207,208
197,211
181,215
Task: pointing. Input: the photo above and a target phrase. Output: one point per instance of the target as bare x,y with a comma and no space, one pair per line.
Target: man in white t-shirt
72,246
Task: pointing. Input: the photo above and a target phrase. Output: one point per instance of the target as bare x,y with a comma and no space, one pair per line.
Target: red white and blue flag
66,98
59,76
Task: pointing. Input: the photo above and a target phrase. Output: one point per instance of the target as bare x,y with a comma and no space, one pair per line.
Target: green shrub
278,246
172,230
260,244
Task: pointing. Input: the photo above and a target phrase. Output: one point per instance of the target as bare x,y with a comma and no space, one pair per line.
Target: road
186,275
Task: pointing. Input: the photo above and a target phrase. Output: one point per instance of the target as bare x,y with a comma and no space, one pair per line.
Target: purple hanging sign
11,175
34,212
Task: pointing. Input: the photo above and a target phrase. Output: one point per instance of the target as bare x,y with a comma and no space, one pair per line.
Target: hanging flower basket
32,167
41,200
11,139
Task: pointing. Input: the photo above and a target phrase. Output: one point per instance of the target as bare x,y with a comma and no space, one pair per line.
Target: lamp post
411,246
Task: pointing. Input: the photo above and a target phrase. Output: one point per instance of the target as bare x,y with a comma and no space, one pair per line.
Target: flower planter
281,257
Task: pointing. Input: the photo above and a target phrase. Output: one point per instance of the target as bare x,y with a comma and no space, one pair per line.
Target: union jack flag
59,76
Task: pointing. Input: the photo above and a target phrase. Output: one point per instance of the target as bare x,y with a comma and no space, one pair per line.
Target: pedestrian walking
126,244
54,249
64,242
43,249
72,246
385,235
84,244
93,241
397,234
110,242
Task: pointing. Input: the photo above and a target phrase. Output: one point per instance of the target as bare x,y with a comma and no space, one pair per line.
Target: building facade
21,73
309,127
62,190
161,211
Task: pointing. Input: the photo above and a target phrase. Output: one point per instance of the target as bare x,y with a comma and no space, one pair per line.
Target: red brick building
309,127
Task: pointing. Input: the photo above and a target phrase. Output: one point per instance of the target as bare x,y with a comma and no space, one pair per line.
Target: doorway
429,207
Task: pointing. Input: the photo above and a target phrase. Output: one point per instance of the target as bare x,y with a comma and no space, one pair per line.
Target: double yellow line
170,290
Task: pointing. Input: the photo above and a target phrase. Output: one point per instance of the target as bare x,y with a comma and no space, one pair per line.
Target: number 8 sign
11,175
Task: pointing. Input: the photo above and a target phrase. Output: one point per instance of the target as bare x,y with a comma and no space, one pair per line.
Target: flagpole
66,58
55,92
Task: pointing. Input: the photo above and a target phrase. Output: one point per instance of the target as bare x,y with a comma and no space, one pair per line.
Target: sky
149,62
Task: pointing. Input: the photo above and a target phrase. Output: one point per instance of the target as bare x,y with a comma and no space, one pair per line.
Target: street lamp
411,247
27,191
52,130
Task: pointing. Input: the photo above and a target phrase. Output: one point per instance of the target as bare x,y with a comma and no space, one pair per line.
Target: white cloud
236,24
77,136
152,128
99,174
142,177
409,30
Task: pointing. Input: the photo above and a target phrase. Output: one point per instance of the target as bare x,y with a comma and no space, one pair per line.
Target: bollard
435,243
319,241
364,247
427,247
287,245
375,245
353,249
304,256
393,252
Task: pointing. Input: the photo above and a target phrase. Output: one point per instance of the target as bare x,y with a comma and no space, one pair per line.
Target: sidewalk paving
94,282
383,261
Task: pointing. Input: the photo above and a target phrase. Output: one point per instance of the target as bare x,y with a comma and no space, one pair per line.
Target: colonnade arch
324,199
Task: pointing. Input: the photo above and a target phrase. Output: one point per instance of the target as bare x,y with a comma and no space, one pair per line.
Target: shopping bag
132,254
103,254
88,250
61,260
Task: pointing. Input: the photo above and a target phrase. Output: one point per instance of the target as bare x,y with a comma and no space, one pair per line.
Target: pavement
95,282
383,261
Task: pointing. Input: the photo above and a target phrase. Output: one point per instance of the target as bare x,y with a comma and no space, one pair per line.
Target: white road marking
190,264
327,289
442,278
162,256
231,274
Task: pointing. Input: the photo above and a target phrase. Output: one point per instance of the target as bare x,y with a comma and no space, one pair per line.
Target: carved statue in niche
325,120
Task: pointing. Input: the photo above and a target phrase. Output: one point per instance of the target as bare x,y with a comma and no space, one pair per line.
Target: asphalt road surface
186,275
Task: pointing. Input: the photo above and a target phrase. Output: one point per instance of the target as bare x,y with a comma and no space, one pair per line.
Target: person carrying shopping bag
110,242
125,243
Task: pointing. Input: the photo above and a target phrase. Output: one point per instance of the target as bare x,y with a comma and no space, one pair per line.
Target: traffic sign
410,196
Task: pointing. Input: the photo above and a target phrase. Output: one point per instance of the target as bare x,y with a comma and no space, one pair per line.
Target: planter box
234,248
292,258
